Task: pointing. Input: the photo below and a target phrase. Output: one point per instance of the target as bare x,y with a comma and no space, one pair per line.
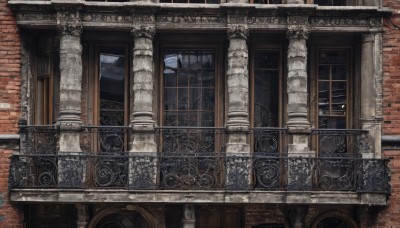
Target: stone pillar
189,219
298,124
71,168
299,169
143,142
297,215
237,147
371,91
82,215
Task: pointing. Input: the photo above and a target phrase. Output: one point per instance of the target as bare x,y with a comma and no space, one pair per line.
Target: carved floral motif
238,31
69,23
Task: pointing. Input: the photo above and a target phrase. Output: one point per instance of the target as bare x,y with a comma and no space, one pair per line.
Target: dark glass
339,72
338,98
332,57
323,72
332,122
323,98
194,89
266,59
332,222
112,86
266,89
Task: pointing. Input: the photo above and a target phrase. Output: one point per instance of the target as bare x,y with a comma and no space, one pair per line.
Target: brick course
10,82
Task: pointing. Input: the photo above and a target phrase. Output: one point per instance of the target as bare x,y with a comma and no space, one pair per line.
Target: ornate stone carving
267,20
298,32
69,23
297,20
238,31
237,18
197,19
106,17
36,16
146,31
342,21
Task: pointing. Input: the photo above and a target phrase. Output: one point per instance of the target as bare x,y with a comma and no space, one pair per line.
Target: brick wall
390,216
10,81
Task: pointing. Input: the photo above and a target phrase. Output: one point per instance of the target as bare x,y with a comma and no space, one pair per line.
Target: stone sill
193,196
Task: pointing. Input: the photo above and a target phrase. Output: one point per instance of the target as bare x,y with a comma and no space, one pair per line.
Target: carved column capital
297,32
238,31
145,31
69,23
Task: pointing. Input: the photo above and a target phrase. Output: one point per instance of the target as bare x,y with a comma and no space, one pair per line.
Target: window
47,81
265,1
333,83
329,2
189,100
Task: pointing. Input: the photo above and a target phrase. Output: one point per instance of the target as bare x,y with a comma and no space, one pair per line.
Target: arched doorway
334,219
135,217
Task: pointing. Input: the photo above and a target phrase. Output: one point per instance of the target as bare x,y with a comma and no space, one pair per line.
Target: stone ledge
193,196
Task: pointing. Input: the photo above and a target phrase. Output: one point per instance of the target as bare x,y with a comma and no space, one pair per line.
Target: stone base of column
71,170
300,172
238,171
143,170
189,219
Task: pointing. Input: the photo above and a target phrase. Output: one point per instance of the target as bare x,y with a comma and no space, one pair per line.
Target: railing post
237,147
71,168
143,159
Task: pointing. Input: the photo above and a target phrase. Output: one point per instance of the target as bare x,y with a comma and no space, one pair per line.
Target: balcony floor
196,196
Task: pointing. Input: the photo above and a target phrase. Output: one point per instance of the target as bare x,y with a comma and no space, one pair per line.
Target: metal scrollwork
188,140
111,172
46,171
190,172
267,173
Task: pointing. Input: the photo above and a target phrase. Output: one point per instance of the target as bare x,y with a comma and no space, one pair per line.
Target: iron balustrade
195,159
203,172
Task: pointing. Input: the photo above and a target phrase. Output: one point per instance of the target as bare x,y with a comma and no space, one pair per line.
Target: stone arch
99,217
335,216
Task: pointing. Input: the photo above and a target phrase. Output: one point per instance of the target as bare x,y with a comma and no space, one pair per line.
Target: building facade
199,113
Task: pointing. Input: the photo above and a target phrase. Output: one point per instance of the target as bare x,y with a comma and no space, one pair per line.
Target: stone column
237,147
82,215
299,169
371,90
143,144
296,215
71,168
189,219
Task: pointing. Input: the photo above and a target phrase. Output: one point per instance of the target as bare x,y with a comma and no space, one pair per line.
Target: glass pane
323,98
194,90
207,119
323,72
183,78
183,99
195,98
338,98
339,72
266,59
169,78
332,122
112,87
266,89
170,99
170,118
171,61
208,99
332,57
207,60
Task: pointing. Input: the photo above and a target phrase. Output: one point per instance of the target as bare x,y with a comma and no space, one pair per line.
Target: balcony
192,165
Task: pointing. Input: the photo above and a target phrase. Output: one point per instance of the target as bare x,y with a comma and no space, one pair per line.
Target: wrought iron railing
195,159
201,172
190,139
340,142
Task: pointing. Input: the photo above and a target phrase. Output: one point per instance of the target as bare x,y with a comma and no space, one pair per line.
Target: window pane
112,87
323,98
194,92
338,98
323,72
339,72
266,88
